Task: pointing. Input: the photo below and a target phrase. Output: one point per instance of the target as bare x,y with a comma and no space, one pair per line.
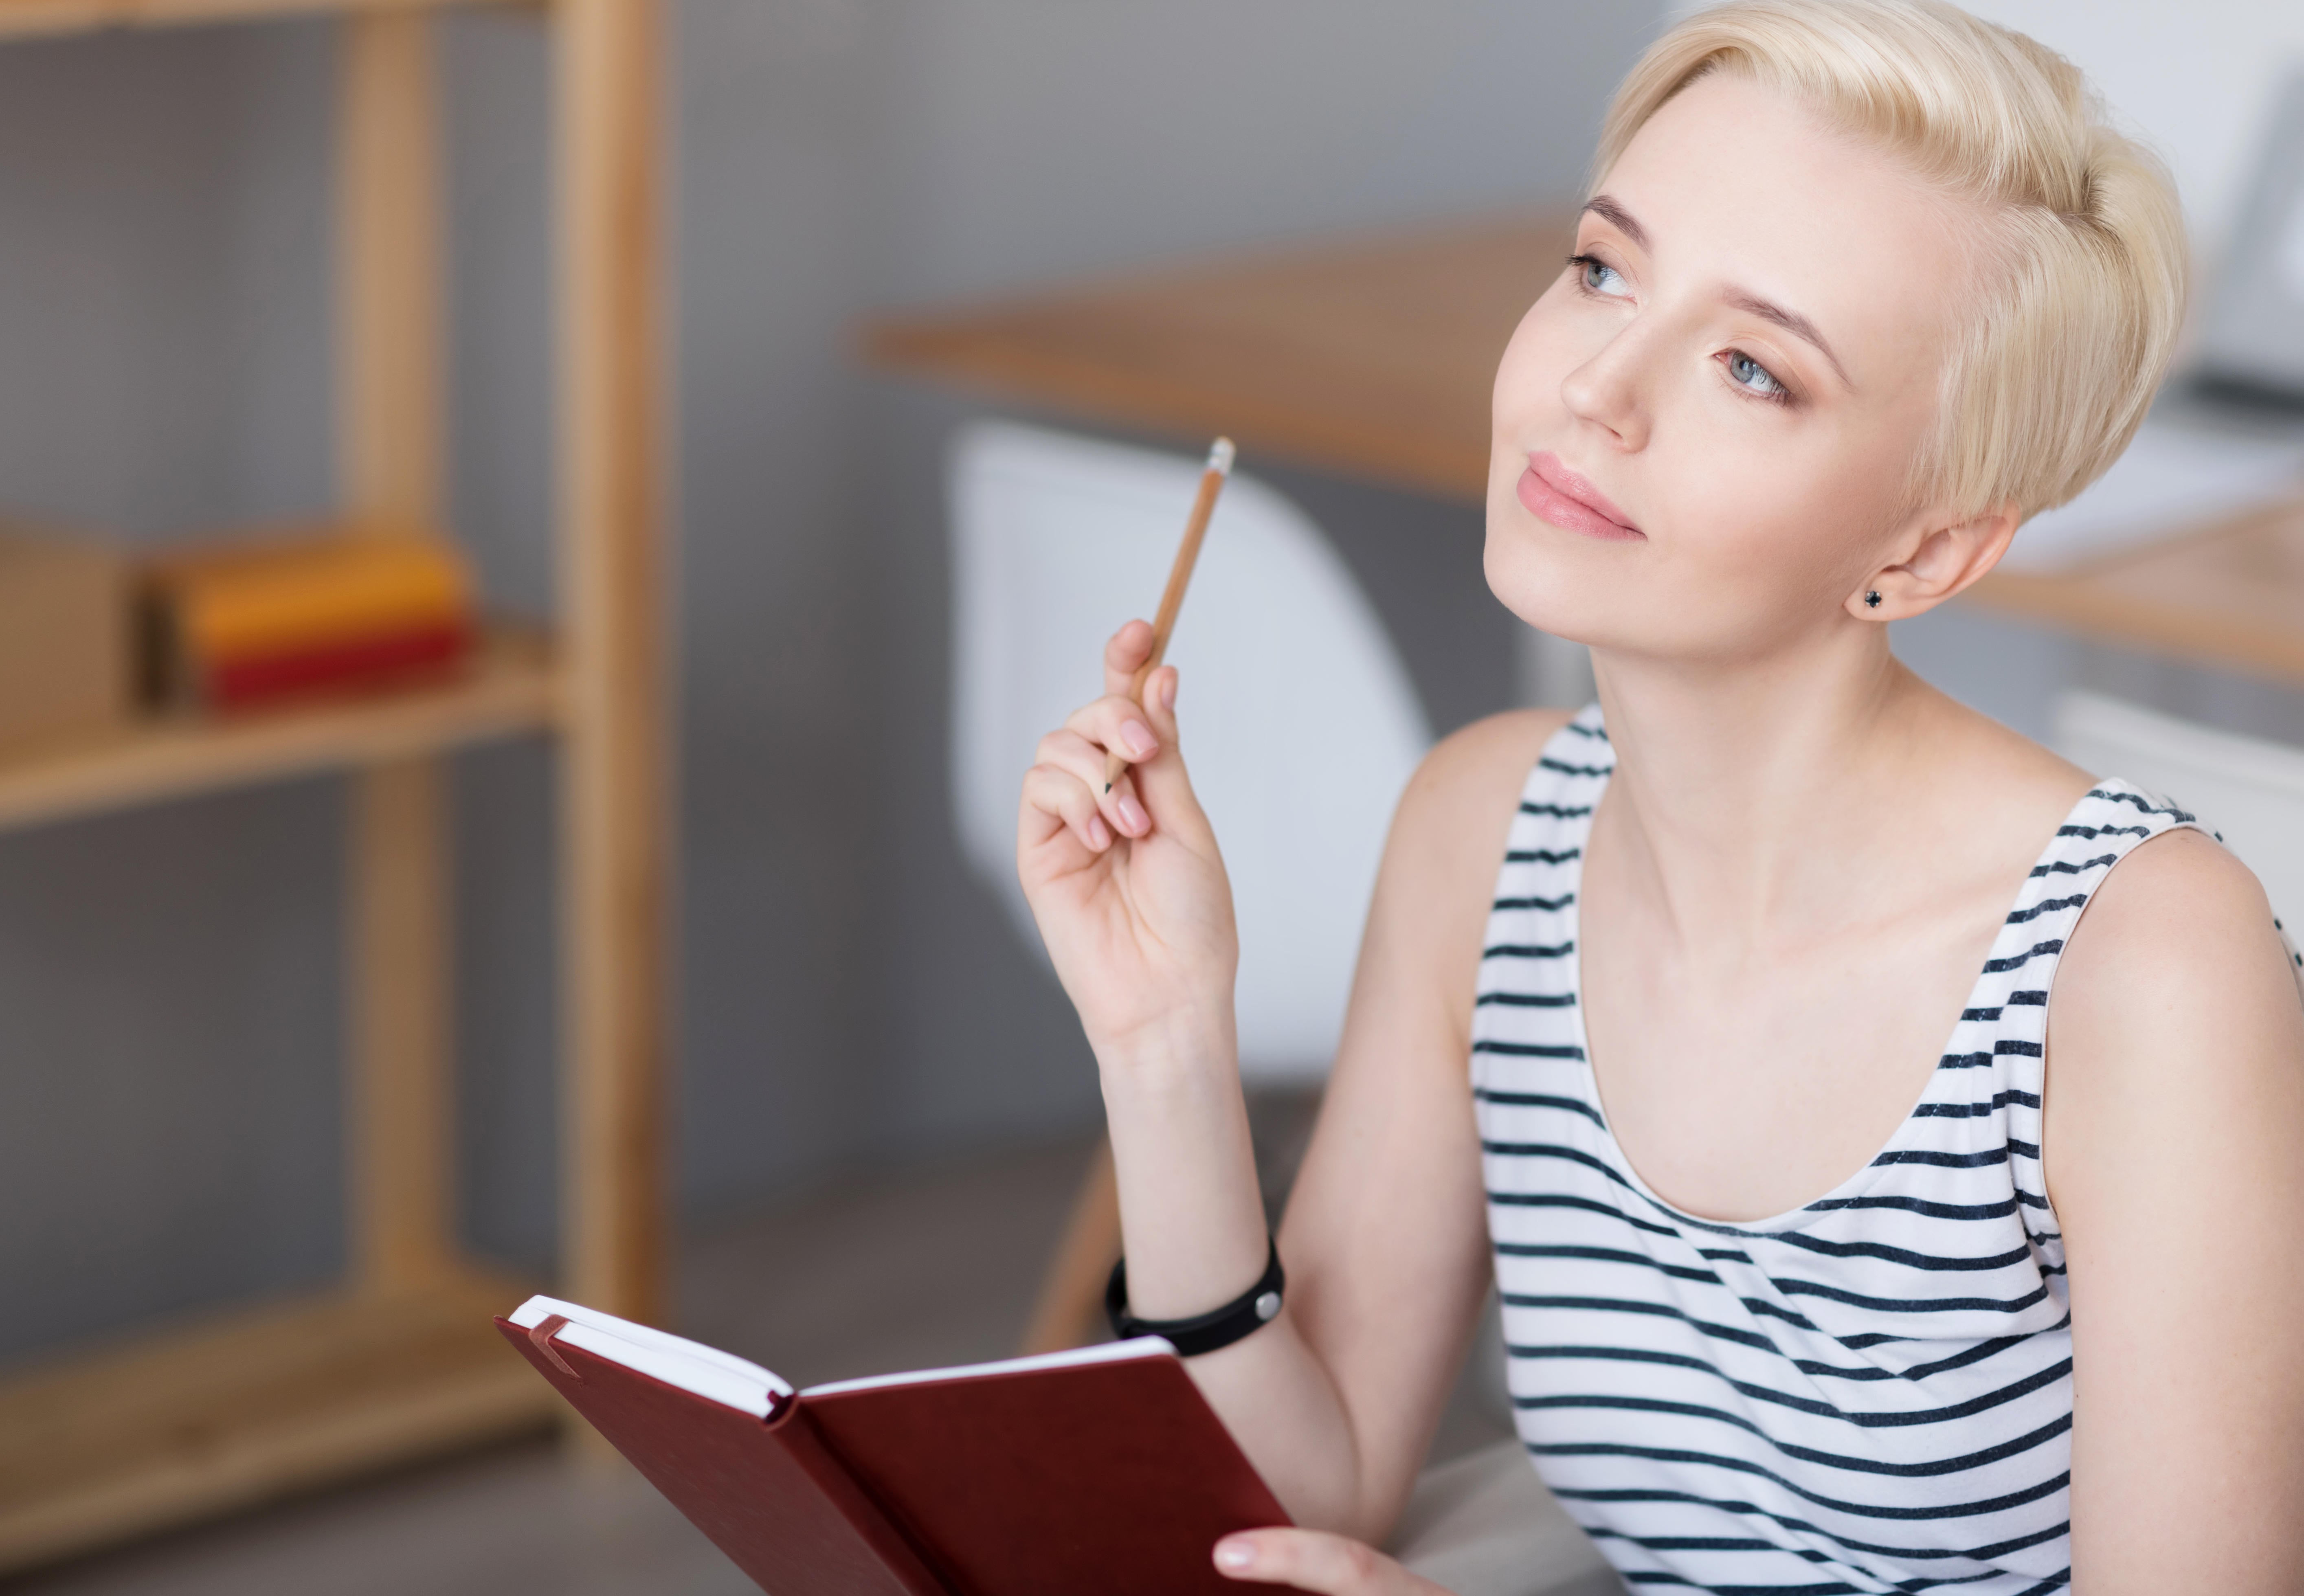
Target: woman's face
1703,429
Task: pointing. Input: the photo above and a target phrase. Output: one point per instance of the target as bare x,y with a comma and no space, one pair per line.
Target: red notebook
1098,1471
380,659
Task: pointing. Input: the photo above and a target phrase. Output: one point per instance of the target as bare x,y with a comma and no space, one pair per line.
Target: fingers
1083,758
1124,657
1160,703
1061,802
1314,1560
1155,790
1116,725
1163,780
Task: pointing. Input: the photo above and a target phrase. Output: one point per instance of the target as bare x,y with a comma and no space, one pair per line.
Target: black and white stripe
1872,1393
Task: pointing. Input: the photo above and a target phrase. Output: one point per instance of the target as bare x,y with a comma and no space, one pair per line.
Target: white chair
1300,722
2249,792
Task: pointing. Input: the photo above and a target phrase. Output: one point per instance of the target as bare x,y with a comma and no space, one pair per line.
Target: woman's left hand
1314,1560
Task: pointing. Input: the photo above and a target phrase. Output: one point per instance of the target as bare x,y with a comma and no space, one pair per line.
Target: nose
1608,391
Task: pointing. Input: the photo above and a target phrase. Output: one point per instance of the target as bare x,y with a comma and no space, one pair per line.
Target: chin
1539,587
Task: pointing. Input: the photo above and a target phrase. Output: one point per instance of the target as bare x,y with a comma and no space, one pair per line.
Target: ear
1938,563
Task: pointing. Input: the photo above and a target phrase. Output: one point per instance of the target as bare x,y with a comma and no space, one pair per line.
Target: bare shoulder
1459,803
2179,920
2175,986
1447,843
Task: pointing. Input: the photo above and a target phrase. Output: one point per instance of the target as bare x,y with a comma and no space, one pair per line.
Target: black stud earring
1872,598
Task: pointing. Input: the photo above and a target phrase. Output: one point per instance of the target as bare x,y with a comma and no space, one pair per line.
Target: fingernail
1235,1554
1133,815
1168,693
1139,739
1098,836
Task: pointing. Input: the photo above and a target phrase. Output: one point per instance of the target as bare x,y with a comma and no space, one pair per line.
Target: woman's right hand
1127,885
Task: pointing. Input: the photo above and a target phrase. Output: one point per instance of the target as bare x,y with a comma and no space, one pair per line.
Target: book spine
241,683
804,1444
379,586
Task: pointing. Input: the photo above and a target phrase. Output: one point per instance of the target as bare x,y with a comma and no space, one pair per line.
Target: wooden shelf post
613,1202
388,374
389,420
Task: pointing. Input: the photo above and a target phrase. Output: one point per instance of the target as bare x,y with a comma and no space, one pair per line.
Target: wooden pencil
1180,577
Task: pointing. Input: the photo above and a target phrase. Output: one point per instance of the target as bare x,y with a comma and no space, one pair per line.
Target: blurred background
883,1102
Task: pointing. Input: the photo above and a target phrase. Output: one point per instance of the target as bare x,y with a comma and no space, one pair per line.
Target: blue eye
1596,276
1747,373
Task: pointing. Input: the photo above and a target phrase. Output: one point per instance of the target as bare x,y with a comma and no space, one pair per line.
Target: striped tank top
1871,1393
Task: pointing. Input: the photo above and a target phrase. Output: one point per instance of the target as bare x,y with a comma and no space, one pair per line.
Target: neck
1747,798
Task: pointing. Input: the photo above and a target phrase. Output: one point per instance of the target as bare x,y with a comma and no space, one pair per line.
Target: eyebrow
1791,321
1612,211
1609,211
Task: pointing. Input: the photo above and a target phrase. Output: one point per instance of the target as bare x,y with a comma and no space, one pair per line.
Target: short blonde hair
2084,255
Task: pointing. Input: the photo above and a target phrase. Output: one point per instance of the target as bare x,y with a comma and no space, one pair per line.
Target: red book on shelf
245,681
1099,1471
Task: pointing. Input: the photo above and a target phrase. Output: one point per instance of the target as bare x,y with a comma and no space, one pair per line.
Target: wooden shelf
2230,594
31,18
512,689
403,1362
255,1405
1372,359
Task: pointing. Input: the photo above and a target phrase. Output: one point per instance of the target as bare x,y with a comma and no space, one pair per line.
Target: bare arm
1387,1220
1335,1401
2174,1143
1385,1236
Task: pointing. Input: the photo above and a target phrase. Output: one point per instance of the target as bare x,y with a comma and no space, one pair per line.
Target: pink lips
1568,501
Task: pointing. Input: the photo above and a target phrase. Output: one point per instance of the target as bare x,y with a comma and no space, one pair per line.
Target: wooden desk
1373,359
2228,595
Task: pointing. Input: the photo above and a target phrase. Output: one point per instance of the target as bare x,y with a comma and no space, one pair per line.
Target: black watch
1245,1314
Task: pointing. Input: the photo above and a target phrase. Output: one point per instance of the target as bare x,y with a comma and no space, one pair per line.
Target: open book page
725,1378
1111,1352
708,1372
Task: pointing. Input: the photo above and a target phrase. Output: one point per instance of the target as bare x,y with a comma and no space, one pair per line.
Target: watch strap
1245,1314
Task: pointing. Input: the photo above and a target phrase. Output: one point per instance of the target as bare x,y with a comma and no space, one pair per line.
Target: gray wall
169,980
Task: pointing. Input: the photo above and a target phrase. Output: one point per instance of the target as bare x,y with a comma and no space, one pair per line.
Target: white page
727,1378
2173,478
706,1372
1110,1352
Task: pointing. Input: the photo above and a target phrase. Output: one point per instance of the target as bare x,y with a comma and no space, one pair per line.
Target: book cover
424,650
1103,1470
256,619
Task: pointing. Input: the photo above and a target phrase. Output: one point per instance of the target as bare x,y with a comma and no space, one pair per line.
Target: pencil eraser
1220,455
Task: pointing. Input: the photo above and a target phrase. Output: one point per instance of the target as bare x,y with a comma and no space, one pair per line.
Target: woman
1859,287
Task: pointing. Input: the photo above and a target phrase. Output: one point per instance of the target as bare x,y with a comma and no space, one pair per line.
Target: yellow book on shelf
280,597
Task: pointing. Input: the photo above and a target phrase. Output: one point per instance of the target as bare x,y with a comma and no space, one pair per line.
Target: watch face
2254,334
